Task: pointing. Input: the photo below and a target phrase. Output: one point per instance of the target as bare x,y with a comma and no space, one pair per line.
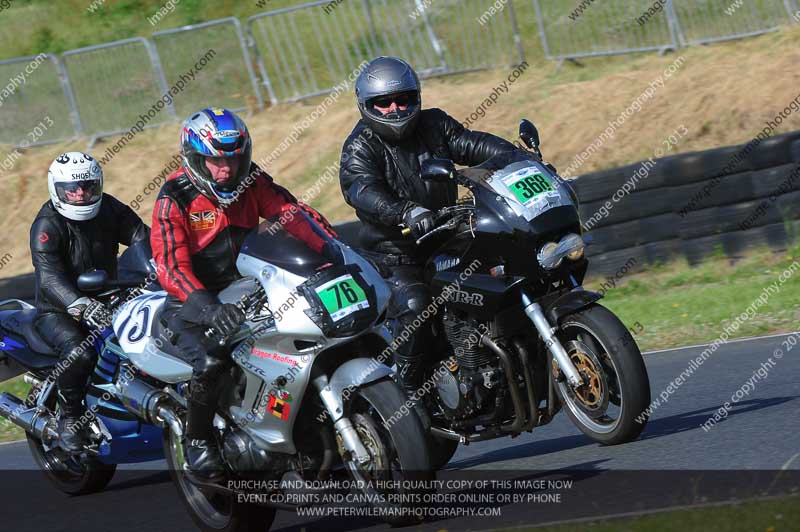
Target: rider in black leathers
78,230
380,178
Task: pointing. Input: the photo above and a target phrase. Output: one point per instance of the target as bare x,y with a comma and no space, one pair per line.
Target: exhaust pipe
40,423
149,403
146,402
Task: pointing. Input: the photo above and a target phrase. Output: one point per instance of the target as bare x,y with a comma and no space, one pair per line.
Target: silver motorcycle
306,399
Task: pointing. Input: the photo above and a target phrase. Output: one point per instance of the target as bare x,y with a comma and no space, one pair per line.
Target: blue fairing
131,440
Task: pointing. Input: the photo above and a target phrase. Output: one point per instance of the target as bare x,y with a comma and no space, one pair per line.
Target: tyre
611,406
212,511
442,450
68,473
396,444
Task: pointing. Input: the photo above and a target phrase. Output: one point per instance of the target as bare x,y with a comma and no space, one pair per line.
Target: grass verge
773,515
681,305
9,431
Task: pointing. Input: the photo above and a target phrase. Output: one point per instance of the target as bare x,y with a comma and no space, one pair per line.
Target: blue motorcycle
117,435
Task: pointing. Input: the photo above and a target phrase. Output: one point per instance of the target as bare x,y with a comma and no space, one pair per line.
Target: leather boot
202,452
204,459
73,434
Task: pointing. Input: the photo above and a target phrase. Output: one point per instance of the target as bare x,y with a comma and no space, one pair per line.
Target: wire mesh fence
475,35
35,93
228,81
307,50
586,28
115,85
700,21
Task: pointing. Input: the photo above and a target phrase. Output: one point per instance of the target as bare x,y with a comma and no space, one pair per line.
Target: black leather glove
91,311
225,318
419,220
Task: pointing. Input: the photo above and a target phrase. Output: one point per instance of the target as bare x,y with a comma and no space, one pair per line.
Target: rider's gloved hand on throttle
224,317
91,311
419,220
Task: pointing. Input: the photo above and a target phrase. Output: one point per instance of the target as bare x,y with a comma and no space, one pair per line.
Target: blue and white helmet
215,132
75,183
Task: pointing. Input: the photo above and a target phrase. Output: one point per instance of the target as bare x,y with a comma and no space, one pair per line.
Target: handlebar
247,301
445,212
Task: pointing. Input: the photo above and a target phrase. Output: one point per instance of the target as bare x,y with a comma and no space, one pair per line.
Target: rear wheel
66,472
212,511
611,406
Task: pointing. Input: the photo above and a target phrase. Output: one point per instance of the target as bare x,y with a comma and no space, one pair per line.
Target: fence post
515,27
155,60
373,34
431,35
675,31
542,34
273,99
250,71
66,86
791,11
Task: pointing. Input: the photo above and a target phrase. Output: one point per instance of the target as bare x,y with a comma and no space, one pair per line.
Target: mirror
92,281
529,134
437,169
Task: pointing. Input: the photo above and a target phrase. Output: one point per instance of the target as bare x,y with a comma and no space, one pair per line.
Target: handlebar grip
210,332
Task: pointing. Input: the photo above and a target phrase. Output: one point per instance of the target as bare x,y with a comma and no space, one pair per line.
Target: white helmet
71,173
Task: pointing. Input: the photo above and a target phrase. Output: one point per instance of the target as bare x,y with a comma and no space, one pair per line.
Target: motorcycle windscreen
527,185
289,242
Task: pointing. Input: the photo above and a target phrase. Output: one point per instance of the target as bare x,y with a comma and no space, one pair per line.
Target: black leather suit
61,250
381,181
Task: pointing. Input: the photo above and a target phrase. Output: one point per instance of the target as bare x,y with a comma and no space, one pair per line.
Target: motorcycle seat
22,322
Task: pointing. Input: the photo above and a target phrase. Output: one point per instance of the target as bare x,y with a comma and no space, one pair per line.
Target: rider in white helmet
77,230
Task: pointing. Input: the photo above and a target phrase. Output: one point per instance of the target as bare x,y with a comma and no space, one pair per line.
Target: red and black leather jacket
196,241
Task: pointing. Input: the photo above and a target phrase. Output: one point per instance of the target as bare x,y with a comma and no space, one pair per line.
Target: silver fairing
269,408
135,328
276,355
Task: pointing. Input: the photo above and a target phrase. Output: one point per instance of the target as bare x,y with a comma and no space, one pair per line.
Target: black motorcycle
515,336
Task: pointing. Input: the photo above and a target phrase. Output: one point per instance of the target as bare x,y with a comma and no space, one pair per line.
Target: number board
342,296
528,185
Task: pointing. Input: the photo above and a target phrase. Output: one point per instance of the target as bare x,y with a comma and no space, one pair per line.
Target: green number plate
342,296
528,185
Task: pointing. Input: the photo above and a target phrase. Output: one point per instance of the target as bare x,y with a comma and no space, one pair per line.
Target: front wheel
393,435
611,406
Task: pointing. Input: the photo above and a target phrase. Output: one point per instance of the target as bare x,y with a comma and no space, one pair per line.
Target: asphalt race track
752,452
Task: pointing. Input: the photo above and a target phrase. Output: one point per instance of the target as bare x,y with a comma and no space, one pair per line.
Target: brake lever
449,224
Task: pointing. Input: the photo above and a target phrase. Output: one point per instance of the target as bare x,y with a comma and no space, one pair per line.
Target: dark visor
92,189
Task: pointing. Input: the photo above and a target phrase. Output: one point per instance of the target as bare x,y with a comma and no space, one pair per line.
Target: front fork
344,427
535,314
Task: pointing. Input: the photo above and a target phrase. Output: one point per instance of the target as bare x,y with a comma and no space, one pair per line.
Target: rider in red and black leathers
196,241
199,226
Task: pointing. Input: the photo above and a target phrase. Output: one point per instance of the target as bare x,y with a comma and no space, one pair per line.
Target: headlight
547,256
551,254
